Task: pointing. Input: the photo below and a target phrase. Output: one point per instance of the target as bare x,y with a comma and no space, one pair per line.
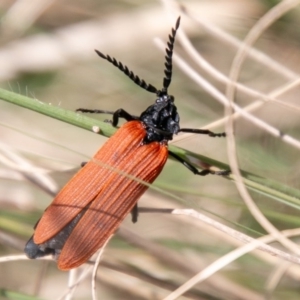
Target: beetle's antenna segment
140,82
168,66
168,57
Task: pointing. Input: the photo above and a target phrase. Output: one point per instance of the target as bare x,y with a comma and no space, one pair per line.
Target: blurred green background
47,53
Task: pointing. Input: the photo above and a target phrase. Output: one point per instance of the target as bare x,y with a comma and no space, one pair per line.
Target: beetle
91,206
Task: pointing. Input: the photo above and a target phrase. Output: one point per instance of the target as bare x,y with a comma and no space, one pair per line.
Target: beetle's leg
134,214
202,131
195,170
120,113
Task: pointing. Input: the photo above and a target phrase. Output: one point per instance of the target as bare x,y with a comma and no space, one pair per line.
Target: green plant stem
273,189
56,112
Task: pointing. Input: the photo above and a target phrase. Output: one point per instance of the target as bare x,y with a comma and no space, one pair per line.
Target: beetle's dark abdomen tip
32,250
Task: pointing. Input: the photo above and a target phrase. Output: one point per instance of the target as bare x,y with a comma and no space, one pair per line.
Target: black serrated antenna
140,82
168,57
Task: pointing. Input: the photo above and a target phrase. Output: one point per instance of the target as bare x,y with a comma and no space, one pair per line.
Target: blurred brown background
47,53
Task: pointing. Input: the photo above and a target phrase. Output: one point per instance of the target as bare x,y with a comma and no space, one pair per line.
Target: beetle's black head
161,119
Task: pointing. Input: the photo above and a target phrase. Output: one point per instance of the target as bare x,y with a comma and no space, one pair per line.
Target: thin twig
268,19
224,261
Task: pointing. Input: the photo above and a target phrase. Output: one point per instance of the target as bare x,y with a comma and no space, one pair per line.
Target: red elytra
104,186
